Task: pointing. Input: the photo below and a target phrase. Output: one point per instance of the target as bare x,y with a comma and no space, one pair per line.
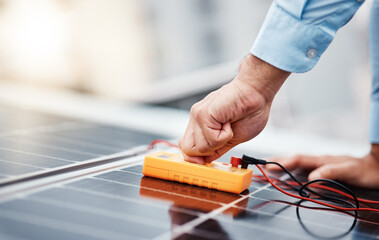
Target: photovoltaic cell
122,204
31,141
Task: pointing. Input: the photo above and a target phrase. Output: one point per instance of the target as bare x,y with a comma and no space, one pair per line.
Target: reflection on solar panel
31,142
120,203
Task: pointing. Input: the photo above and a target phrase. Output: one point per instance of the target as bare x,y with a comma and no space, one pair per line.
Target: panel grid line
84,143
38,155
96,193
69,125
58,148
176,232
21,164
61,225
157,190
97,211
291,219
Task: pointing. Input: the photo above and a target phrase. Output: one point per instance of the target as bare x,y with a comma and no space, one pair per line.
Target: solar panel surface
33,141
122,204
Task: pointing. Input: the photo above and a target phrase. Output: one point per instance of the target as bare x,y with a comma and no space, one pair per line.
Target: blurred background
172,53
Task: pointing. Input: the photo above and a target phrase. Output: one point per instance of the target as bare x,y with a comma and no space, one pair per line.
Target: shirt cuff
288,43
374,122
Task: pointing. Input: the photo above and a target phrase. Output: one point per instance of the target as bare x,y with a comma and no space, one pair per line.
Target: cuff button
312,53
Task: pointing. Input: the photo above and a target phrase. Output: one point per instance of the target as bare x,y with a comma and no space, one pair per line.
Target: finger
187,142
197,145
216,130
202,147
217,135
219,152
198,160
303,161
292,162
344,172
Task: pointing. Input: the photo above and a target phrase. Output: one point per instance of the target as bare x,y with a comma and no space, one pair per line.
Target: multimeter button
235,161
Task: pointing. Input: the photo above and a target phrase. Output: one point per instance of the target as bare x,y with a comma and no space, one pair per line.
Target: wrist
260,75
375,151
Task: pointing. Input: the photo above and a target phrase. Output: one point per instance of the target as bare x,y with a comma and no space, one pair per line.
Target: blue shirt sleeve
374,57
295,33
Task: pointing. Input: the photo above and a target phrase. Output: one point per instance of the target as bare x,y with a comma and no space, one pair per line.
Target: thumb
217,138
335,171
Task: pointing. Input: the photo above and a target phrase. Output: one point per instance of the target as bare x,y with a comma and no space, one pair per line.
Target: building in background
120,49
115,47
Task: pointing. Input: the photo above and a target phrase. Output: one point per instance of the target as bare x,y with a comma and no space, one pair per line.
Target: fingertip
314,175
198,160
210,159
272,167
285,161
335,171
292,162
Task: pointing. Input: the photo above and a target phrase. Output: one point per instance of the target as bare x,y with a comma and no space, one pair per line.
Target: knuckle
194,108
203,149
197,111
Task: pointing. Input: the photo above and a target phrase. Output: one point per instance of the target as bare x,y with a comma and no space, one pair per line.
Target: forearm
263,77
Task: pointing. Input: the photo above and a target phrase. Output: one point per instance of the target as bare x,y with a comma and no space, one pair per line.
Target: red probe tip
235,161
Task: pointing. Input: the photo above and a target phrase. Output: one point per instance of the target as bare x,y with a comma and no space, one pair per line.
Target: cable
292,184
317,233
312,200
160,141
251,160
304,187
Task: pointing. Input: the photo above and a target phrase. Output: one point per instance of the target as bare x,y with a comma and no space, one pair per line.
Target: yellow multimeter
215,175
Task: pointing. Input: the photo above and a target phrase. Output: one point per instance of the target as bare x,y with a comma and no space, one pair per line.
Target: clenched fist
233,114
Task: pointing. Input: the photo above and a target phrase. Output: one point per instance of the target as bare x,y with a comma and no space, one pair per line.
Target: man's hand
233,114
361,172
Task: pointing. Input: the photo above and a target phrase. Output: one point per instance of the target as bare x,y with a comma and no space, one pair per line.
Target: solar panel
120,203
31,141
